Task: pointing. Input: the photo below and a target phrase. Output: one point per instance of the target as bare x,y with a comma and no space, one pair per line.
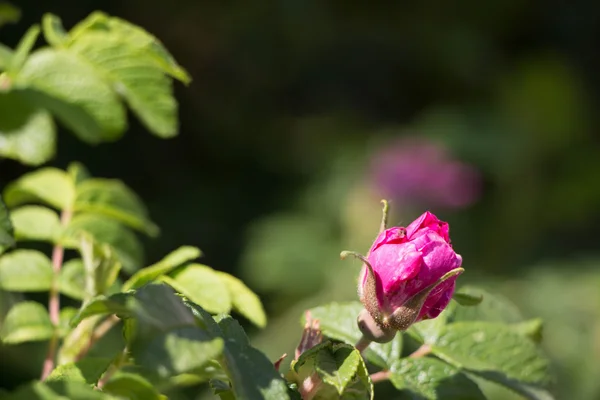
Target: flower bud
409,274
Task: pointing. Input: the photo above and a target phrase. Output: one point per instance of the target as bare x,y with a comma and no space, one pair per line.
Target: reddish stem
362,344
54,300
380,376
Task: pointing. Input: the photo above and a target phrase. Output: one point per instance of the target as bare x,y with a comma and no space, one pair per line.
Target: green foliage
25,322
25,271
88,370
432,379
340,367
163,315
57,391
488,340
81,79
338,321
6,229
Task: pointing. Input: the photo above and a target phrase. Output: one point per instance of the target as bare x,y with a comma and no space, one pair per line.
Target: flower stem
54,300
362,344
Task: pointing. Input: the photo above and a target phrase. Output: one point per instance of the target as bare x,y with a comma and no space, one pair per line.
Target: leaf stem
54,299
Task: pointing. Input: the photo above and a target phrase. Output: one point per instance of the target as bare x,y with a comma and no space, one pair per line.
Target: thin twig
54,299
114,367
421,351
380,376
98,333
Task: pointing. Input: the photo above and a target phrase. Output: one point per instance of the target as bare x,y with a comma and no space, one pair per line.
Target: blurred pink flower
416,171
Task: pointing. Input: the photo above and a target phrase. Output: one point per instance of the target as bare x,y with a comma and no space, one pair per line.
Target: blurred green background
303,114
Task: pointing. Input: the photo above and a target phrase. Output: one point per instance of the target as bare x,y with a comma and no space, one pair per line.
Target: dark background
290,104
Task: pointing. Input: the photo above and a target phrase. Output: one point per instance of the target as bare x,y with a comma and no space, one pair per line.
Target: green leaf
27,321
126,245
251,373
57,391
339,366
25,271
166,338
50,186
111,198
23,49
6,55
78,173
135,75
338,321
531,328
6,229
27,132
36,223
431,379
54,33
203,286
164,266
493,350
132,387
493,308
75,92
222,389
136,37
428,331
244,301
87,370
466,297
9,14
71,281
102,305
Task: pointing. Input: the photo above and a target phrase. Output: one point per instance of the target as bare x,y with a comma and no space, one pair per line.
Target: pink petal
428,221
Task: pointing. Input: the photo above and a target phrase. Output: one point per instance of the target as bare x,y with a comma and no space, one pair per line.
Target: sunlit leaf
27,321
167,264
27,132
244,301
432,379
75,92
203,286
25,271
87,370
137,37
135,76
113,199
50,186
36,223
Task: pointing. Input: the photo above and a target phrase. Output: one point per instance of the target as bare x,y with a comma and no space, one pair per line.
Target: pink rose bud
412,274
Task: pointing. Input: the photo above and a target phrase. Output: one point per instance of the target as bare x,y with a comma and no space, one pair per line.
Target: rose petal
395,235
428,221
